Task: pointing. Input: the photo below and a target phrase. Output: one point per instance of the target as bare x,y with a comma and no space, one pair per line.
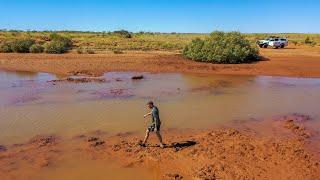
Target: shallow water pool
31,103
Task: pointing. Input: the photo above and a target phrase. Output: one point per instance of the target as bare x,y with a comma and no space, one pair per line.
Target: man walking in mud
155,124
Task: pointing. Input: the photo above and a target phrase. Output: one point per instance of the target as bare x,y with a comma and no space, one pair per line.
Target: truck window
276,39
283,39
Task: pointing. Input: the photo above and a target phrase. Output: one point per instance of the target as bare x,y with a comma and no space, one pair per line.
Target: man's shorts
152,128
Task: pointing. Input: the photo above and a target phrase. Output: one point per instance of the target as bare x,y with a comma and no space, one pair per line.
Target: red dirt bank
296,61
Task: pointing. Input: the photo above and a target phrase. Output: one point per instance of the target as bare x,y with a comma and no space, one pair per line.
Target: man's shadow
178,146
181,145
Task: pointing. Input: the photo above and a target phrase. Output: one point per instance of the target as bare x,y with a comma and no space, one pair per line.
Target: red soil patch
224,153
293,61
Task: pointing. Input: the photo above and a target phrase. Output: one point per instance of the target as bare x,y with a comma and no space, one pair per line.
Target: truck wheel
265,46
282,46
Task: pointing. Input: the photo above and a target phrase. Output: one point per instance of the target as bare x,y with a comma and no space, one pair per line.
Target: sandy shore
298,61
227,153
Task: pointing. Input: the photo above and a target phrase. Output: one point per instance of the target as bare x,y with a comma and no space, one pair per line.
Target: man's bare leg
160,139
146,137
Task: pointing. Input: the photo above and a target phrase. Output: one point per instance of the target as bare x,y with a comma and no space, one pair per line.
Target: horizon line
157,32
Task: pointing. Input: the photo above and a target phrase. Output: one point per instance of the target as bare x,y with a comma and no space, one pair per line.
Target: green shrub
58,44
123,33
80,50
307,40
294,42
58,37
22,45
54,36
36,48
220,47
194,50
65,40
117,51
86,50
90,51
55,47
313,43
5,47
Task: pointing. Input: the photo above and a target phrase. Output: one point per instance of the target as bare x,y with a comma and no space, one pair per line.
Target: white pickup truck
275,42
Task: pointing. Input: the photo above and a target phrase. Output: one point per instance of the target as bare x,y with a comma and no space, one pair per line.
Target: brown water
31,105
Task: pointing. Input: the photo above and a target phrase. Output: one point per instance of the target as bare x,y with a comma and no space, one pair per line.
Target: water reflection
12,76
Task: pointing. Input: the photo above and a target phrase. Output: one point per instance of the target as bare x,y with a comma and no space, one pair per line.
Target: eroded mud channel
214,126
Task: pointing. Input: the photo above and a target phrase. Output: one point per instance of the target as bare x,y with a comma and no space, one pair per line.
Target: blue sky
162,15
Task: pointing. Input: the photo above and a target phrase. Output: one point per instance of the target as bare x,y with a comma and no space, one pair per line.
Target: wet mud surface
221,153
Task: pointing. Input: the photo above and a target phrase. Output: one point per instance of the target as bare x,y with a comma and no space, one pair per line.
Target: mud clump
207,172
116,147
172,176
91,139
94,142
43,140
297,129
297,117
118,79
97,143
85,79
79,80
137,77
83,73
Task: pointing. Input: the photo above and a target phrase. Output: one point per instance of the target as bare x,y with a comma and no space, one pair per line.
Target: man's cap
150,102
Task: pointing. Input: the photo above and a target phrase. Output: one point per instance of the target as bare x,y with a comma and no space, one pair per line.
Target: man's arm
146,115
